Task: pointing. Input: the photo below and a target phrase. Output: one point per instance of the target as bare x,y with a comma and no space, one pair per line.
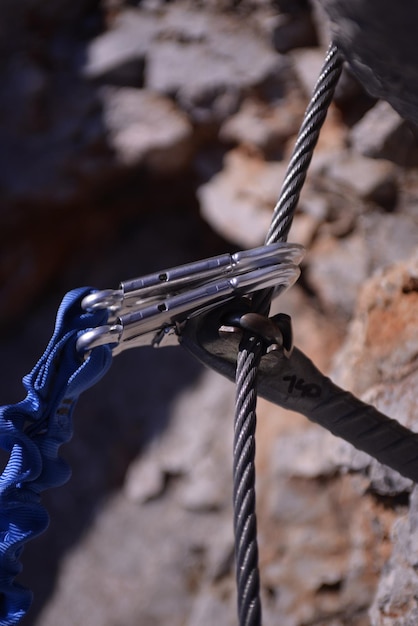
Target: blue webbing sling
32,432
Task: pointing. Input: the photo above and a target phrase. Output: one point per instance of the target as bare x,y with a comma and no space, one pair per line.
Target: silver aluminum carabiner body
150,310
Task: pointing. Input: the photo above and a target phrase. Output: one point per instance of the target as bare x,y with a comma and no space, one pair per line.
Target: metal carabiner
151,309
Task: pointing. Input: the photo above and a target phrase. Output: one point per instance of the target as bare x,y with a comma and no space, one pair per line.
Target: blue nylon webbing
32,432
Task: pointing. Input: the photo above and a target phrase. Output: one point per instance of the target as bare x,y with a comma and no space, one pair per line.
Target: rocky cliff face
135,136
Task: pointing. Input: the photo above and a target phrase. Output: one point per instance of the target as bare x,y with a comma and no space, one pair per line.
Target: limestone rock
383,134
366,179
238,201
193,459
338,266
397,232
262,125
336,270
301,456
396,600
117,56
307,64
384,330
327,574
378,360
207,61
146,128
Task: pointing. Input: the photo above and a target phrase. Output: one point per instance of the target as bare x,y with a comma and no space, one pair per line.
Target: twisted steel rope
251,351
245,522
306,141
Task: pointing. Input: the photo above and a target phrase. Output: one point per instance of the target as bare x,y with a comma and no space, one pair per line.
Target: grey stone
263,125
366,179
150,579
118,55
305,226
202,58
208,68
146,129
337,268
307,64
194,460
146,480
318,574
383,134
387,482
396,601
238,202
209,608
313,203
302,454
391,237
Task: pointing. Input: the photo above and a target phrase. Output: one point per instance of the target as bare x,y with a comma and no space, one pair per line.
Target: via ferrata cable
251,351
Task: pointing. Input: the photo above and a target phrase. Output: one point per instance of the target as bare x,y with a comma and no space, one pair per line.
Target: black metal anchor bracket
288,378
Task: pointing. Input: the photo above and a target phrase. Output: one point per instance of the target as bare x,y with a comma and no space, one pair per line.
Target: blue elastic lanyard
32,432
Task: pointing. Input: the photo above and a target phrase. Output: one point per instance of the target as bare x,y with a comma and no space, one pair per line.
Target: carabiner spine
171,281
184,305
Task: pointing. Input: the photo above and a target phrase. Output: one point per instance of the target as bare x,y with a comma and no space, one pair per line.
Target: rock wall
378,42
135,136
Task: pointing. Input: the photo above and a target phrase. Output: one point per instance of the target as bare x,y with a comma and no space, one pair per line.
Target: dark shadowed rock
382,133
379,42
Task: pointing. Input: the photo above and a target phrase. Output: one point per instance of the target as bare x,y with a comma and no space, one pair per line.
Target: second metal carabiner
149,310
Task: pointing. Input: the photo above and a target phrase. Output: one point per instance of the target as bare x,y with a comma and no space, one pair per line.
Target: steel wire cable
245,522
251,351
305,143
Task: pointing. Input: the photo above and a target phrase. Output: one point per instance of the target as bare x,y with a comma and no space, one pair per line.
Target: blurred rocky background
139,135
